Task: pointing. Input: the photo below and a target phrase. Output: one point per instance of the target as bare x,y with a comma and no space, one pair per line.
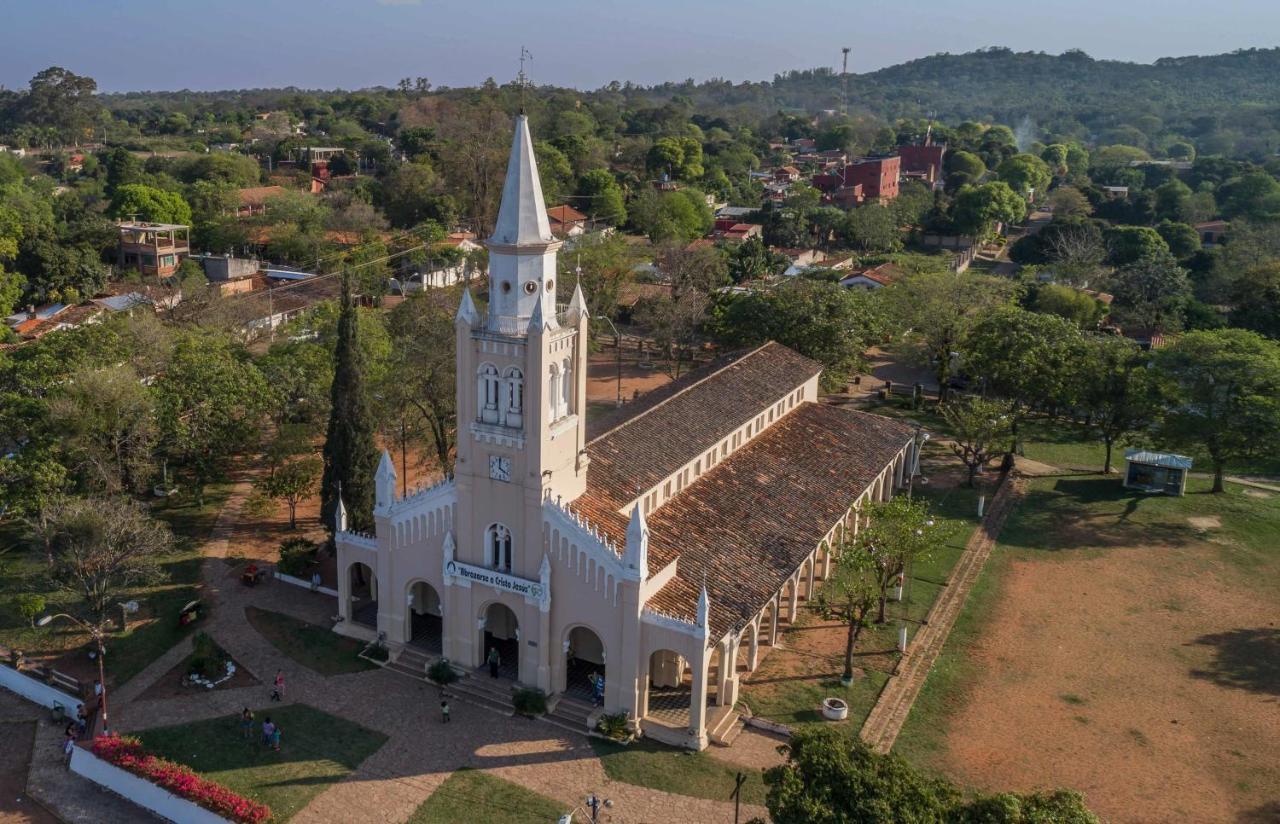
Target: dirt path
1152,699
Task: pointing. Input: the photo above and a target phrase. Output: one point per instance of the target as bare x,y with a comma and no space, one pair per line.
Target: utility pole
736,795
844,82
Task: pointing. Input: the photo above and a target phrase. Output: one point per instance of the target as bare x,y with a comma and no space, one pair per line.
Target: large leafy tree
1255,297
938,308
1151,293
872,229
979,208
62,101
1115,389
831,777
823,321
350,449
212,401
420,378
980,430
1025,173
602,196
850,595
1024,357
150,204
1222,391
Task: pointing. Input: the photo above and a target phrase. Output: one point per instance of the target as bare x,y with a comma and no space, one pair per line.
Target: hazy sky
218,44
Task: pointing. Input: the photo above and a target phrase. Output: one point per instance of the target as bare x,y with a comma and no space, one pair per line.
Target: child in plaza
268,731
444,711
246,722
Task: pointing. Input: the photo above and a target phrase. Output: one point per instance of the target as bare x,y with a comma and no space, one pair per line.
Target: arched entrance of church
670,689
426,618
584,663
363,594
501,631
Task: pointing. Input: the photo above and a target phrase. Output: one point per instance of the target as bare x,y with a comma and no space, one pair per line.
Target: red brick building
922,162
868,178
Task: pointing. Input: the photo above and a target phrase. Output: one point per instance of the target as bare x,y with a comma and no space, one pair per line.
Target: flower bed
127,754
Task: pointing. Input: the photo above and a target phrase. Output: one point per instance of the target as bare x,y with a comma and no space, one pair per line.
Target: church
658,546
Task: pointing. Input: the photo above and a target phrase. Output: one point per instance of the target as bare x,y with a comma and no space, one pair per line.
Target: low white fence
37,691
140,791
298,582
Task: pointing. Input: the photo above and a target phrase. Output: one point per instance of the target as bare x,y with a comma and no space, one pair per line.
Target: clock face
500,468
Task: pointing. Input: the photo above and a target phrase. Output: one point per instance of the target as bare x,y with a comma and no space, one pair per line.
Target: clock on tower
500,468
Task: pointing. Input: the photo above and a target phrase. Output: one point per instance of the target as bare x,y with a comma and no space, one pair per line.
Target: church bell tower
521,383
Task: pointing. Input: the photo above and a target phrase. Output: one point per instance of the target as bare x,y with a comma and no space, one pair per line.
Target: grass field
317,750
1121,644
649,764
152,631
316,648
470,795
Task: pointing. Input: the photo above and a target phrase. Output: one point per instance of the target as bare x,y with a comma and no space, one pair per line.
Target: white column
753,648
813,562
344,589
698,700
795,596
773,619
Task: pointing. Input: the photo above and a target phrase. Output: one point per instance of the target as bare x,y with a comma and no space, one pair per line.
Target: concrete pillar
344,589
726,669
698,700
813,562
773,619
826,562
753,647
545,643
729,684
795,595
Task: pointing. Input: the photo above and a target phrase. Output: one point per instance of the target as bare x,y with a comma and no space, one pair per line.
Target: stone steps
571,714
410,662
490,693
726,729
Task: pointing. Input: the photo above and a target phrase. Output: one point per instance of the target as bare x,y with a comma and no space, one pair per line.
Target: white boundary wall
298,582
37,691
139,790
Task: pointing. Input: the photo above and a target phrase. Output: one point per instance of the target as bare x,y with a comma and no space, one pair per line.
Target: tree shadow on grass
1088,512
1247,659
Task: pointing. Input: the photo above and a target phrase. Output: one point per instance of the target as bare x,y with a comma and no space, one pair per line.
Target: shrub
208,659
613,725
297,556
127,754
530,701
377,651
30,606
441,672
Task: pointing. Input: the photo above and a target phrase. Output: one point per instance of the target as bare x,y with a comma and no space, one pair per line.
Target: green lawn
647,763
154,630
792,682
470,795
317,750
316,648
1243,547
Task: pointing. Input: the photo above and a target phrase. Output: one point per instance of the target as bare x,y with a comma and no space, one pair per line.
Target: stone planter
834,709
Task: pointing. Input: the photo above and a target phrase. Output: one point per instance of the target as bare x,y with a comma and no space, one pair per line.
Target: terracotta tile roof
564,214
745,526
258,195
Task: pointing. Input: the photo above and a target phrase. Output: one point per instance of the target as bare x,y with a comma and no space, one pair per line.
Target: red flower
126,753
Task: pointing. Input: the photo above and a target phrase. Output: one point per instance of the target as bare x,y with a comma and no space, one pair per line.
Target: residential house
872,277
153,248
253,201
566,221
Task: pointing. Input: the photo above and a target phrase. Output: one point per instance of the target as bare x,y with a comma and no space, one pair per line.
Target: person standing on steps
277,687
494,661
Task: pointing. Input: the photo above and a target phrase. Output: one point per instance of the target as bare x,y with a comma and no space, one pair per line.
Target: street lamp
99,636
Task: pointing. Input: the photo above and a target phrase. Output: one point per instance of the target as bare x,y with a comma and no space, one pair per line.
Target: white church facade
659,546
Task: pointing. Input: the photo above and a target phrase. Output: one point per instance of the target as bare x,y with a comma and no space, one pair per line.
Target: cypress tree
350,450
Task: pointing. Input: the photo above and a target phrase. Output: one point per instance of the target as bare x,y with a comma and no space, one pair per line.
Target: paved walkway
418,755
894,705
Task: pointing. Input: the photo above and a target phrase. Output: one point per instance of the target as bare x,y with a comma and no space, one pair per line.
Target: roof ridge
677,394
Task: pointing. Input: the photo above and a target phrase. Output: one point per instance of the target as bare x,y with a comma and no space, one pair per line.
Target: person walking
494,662
246,723
277,686
268,731
444,711
69,744
82,721
597,692
275,739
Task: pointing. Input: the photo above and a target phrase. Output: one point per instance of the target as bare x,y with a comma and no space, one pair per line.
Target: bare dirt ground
18,720
170,685
1137,676
602,377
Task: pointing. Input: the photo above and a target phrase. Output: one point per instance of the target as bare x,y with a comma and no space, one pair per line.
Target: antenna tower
844,82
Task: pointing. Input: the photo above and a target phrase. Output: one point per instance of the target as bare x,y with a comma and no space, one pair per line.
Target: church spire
522,217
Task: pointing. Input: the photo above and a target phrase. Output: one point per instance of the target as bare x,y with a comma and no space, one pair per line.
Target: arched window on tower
566,388
487,386
498,547
553,392
513,382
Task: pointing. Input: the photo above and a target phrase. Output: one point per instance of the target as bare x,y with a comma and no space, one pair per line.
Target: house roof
258,195
746,524
564,214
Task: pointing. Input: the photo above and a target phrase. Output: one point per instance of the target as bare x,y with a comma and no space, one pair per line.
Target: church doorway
584,663
670,689
501,632
363,589
426,621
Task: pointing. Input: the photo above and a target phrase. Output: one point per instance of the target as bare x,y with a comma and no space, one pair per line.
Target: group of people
77,728
271,731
